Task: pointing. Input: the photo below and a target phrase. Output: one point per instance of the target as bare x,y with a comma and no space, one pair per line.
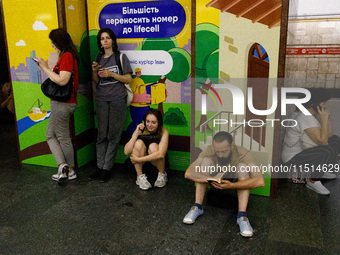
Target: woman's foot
71,176
96,174
106,175
63,171
161,180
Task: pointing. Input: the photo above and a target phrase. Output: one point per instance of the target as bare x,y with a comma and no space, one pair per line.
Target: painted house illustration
249,33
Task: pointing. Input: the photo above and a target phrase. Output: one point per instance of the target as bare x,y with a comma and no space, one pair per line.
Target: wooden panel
267,12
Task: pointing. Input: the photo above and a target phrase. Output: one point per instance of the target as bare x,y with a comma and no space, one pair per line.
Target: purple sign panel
154,19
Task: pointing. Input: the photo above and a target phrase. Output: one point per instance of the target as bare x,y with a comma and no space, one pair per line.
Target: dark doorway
8,133
258,67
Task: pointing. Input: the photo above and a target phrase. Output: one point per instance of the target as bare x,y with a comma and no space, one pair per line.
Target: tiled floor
87,217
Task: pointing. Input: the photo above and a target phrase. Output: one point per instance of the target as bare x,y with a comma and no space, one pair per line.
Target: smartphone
315,107
142,130
35,60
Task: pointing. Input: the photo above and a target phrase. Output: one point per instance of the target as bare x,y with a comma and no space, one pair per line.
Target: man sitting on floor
235,162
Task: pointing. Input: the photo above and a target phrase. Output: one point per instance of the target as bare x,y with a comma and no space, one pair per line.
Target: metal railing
204,125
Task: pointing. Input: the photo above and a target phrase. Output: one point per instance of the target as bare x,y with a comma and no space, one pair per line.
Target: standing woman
109,78
58,128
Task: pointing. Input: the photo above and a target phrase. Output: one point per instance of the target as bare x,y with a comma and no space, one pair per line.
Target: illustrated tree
207,62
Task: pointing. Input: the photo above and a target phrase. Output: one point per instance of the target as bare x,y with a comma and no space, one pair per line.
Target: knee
242,171
153,148
187,173
139,146
336,137
329,151
207,162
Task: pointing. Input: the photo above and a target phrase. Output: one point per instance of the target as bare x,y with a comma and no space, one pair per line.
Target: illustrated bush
174,116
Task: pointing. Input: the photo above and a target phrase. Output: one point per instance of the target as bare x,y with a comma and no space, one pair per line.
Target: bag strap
57,67
119,61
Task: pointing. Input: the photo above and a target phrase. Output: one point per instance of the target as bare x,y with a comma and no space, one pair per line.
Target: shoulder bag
57,92
119,61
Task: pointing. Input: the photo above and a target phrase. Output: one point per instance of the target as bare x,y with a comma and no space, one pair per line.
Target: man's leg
243,196
201,188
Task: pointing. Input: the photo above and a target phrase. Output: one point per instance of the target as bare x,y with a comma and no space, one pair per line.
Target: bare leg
201,187
160,163
139,150
242,194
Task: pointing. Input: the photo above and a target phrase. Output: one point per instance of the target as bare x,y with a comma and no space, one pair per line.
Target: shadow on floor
87,217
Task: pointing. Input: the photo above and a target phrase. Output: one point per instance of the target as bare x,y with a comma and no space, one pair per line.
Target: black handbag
57,92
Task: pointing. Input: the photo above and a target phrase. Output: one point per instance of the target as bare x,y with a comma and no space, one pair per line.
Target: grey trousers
110,119
58,132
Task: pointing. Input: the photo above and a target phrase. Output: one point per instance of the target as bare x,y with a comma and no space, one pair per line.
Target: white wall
315,8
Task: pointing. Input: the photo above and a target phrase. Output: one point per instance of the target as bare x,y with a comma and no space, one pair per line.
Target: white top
291,142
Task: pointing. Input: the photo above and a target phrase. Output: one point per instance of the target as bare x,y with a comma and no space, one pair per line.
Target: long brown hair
158,116
62,40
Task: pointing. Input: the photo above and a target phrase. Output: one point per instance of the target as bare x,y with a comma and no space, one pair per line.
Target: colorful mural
156,37
32,107
233,47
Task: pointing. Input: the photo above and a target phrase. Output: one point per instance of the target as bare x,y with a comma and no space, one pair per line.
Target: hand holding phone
95,66
316,108
140,128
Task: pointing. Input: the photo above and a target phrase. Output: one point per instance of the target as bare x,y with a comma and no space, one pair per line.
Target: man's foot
71,176
106,175
161,180
96,174
317,187
63,173
192,215
329,176
245,229
143,182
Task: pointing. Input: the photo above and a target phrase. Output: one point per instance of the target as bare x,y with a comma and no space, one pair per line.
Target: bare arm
131,143
6,101
95,68
162,149
330,128
255,181
125,78
61,79
194,175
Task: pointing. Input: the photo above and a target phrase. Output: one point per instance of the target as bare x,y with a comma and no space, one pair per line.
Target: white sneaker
192,215
245,228
63,173
161,180
71,176
143,182
317,187
328,175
